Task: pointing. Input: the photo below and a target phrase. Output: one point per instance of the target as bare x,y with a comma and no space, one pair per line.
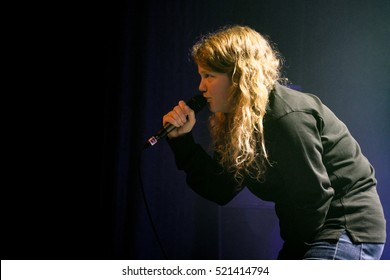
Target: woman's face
216,88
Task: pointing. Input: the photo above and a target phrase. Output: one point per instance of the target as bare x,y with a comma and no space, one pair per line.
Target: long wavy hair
253,64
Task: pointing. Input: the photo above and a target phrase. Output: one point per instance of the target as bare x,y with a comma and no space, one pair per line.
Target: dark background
92,81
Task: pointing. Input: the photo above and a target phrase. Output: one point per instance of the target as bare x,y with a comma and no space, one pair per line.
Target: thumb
190,115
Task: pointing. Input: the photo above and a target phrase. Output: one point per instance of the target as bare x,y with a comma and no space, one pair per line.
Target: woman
284,145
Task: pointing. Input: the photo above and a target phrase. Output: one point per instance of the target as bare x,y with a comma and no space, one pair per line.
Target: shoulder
284,101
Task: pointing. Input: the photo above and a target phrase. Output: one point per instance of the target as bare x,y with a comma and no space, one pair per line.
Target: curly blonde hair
254,67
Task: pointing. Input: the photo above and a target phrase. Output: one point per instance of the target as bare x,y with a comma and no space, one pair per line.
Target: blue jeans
344,249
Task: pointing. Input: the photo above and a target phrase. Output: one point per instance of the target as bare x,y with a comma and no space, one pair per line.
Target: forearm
204,175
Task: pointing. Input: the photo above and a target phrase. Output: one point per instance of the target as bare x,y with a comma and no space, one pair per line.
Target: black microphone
196,103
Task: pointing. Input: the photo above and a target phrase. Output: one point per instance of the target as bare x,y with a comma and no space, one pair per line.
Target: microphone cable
196,103
147,206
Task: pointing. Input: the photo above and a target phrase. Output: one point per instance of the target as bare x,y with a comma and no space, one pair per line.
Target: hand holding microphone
180,120
182,117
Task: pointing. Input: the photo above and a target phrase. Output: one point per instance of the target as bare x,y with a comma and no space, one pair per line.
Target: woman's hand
182,117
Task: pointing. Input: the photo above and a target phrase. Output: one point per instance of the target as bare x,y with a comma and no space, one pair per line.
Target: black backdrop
107,74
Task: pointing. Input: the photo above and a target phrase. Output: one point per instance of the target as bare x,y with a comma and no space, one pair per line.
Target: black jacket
320,181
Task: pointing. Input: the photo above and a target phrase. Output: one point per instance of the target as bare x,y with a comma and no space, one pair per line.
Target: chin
213,110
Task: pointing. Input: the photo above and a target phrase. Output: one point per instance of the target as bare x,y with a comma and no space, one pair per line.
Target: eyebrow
207,72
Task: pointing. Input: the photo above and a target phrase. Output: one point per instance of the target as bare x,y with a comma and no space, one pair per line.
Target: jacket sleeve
204,175
307,191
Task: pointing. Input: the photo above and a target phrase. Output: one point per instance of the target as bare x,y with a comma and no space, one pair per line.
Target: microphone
196,103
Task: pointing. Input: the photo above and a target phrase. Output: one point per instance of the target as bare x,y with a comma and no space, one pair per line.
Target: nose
202,86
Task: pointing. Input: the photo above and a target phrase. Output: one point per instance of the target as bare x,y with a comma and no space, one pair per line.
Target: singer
283,145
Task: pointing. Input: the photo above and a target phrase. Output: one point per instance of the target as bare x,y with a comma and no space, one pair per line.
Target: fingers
191,115
186,109
180,115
